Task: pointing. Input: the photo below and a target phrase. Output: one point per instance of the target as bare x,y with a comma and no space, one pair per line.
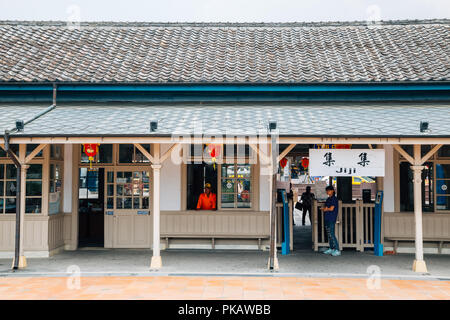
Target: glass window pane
1,189
146,191
34,171
11,171
443,186
227,185
442,171
119,203
145,203
1,205
119,190
52,171
10,205
126,153
444,151
31,147
110,177
127,203
243,171
227,200
145,176
110,190
105,153
110,203
11,188
136,203
243,202
443,203
33,205
128,176
34,188
56,152
228,170
2,171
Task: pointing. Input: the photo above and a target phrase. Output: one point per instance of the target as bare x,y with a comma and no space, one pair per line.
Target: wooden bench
213,237
425,239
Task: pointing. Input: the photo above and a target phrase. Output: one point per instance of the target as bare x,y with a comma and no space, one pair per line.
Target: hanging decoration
91,150
214,152
305,163
283,163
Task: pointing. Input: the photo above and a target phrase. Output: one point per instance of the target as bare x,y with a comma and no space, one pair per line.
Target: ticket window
197,176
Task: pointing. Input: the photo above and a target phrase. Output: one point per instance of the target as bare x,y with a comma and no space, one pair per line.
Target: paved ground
202,288
302,262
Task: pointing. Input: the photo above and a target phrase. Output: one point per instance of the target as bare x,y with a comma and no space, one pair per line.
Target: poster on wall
346,162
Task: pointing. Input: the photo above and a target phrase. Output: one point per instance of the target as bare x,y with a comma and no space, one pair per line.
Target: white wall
388,181
264,189
170,183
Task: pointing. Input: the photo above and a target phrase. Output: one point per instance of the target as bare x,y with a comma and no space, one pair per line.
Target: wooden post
156,262
419,264
273,260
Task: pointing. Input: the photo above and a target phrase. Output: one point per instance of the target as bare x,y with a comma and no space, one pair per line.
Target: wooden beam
34,152
2,146
144,152
404,154
167,154
265,158
430,153
286,151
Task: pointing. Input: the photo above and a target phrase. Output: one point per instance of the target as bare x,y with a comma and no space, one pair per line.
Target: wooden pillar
156,262
419,264
273,260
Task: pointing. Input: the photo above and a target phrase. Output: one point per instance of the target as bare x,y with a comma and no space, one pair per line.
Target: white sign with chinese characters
346,162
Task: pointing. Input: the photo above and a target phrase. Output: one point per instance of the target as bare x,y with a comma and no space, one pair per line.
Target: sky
223,10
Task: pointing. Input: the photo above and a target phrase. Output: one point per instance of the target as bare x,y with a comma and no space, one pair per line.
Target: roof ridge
137,24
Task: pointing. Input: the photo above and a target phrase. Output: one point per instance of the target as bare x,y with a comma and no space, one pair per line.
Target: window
235,186
128,153
197,176
88,183
407,187
33,196
14,148
8,188
132,190
442,186
56,152
31,147
104,154
444,152
55,188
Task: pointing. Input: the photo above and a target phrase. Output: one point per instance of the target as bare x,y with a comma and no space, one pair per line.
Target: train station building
110,132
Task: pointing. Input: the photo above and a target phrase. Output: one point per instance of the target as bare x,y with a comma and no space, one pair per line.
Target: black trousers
306,208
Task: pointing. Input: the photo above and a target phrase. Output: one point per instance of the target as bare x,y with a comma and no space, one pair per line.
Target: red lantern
305,163
90,149
283,162
214,152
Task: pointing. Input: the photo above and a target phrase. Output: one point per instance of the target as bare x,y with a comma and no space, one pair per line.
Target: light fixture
153,125
20,125
424,126
272,125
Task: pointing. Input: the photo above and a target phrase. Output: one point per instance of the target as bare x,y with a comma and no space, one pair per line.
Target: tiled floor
171,287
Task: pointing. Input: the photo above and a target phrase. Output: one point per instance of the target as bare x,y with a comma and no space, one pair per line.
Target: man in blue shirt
330,211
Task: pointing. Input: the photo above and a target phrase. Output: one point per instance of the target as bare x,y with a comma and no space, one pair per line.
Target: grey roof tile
225,52
294,119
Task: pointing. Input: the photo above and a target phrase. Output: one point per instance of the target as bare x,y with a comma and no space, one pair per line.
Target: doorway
91,207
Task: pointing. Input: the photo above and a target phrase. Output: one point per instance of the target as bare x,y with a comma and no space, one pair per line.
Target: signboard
346,162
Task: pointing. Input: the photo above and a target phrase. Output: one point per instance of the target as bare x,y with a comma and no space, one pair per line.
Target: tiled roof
225,52
294,119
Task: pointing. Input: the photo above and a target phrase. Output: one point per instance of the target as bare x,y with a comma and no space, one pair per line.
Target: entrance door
91,210
128,223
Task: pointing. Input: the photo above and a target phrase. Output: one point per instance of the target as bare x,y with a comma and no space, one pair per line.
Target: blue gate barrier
378,246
